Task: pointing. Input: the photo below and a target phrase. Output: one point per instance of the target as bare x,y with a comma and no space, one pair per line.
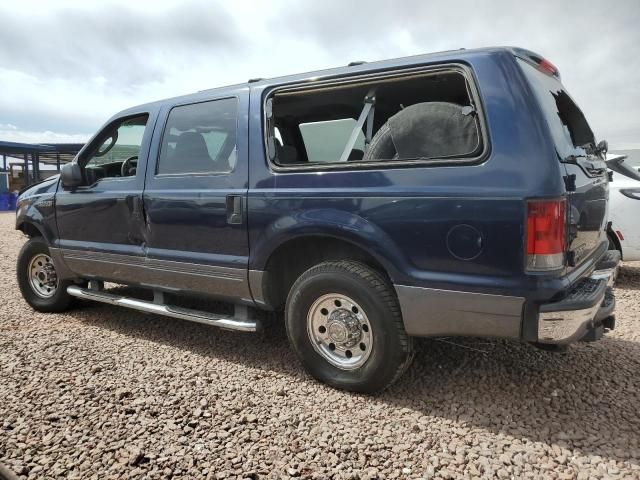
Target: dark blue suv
458,193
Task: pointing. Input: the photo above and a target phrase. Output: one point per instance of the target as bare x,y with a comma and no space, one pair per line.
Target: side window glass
324,141
118,150
428,116
200,138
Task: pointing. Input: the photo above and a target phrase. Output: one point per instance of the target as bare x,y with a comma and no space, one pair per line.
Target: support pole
36,167
26,169
33,168
4,162
58,161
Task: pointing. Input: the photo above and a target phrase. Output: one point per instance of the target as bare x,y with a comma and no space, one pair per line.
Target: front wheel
344,323
38,279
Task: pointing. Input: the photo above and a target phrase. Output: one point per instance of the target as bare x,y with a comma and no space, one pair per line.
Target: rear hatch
585,171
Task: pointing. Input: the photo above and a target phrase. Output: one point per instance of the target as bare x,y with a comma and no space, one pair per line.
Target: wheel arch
30,229
330,223
292,257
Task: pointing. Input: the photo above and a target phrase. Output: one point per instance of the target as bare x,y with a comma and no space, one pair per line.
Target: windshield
569,128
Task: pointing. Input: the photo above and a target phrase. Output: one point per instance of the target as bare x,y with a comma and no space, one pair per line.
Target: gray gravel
102,392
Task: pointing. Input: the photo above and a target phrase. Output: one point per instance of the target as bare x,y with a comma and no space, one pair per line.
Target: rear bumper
587,306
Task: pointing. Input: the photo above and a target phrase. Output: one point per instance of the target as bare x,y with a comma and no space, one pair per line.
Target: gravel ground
102,392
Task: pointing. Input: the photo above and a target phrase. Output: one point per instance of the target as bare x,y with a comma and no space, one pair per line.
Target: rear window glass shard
571,132
419,116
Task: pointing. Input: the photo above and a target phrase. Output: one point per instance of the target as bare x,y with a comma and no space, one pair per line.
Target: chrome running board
228,323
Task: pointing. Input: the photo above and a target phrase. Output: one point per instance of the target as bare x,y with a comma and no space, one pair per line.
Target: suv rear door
194,198
586,173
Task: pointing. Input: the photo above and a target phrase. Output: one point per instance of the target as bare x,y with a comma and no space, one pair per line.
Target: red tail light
540,62
547,67
545,234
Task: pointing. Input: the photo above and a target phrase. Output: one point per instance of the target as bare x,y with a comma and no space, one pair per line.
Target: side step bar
228,323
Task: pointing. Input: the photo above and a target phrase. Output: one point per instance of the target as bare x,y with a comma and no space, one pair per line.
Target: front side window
118,149
200,138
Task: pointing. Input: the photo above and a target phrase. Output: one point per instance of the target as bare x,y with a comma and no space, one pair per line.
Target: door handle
234,209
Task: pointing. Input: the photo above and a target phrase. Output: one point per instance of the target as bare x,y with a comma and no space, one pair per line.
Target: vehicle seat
191,155
286,154
355,155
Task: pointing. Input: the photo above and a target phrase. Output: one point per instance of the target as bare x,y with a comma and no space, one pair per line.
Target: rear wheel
38,279
344,323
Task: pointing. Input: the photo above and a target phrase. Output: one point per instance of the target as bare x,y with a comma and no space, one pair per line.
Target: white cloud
25,136
90,60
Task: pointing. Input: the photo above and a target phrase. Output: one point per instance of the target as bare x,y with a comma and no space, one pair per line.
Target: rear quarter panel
402,216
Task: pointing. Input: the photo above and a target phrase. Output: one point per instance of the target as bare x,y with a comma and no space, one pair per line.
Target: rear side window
569,127
200,138
426,116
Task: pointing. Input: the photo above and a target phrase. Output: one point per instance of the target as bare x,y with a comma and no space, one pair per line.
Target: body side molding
429,312
213,280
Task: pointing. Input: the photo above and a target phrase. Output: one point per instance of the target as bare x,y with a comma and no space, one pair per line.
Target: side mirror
71,176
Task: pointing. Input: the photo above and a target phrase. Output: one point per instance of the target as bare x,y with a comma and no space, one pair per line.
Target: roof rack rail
357,62
254,80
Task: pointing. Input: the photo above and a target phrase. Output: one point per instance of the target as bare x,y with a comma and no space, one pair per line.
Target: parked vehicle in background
624,207
458,193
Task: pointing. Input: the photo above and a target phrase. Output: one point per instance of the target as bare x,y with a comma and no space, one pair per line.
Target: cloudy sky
66,66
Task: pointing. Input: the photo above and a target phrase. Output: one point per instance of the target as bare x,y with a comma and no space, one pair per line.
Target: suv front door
194,198
100,224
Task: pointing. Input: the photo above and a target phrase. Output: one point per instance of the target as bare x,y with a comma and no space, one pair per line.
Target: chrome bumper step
587,309
221,321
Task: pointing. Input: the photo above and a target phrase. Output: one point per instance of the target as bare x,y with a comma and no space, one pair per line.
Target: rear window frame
453,67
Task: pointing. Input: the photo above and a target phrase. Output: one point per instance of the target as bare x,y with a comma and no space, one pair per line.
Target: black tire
381,147
60,300
391,350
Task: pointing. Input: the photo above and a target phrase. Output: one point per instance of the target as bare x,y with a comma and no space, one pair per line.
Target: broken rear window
569,128
417,116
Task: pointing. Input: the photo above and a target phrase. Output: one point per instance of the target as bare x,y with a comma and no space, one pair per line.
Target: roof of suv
355,67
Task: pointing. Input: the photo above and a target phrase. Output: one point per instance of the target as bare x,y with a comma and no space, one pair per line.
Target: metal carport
37,155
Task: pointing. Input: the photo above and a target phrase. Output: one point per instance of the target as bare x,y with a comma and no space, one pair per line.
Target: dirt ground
102,392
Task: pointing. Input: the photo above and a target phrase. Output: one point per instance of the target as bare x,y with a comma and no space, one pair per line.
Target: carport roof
47,153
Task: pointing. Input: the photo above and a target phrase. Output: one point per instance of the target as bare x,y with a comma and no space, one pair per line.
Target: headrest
191,144
355,155
286,154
